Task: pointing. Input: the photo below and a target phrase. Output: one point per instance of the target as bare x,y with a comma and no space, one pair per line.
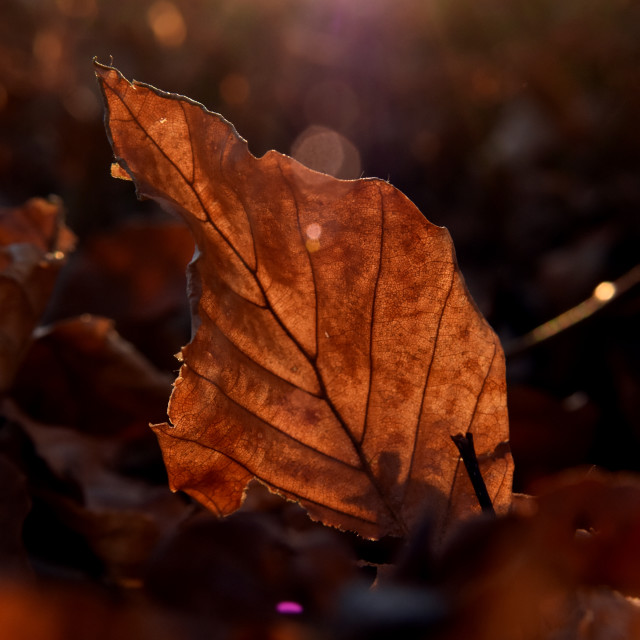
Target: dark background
513,123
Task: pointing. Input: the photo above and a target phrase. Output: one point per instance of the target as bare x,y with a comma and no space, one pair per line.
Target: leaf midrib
365,465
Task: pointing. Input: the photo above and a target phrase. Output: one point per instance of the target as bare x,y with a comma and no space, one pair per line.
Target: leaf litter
560,565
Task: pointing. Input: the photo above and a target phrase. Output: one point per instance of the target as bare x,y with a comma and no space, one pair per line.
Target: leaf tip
107,74
102,70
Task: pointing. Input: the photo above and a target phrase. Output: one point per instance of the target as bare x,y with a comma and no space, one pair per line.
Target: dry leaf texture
82,374
33,246
335,349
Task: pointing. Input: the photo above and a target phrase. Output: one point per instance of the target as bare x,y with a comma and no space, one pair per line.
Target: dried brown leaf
134,274
78,494
557,569
607,505
336,348
38,222
33,244
81,373
237,569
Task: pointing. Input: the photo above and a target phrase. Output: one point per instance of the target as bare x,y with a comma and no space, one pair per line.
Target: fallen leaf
557,566
97,519
336,347
83,397
239,568
33,244
607,505
37,222
134,274
601,614
80,373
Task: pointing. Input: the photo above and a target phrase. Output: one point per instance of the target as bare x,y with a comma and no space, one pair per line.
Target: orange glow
313,233
167,23
47,47
604,291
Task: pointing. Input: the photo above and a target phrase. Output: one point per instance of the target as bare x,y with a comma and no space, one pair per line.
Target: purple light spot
289,607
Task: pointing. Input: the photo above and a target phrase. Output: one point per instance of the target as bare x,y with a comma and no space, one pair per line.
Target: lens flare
289,607
167,23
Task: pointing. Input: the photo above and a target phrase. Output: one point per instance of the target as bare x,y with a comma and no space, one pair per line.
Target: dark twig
468,455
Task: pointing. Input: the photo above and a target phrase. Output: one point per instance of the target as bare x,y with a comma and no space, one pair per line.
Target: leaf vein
373,316
426,383
264,480
226,395
189,183
258,364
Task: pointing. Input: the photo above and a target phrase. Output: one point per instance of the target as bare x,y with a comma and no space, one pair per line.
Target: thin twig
468,455
602,295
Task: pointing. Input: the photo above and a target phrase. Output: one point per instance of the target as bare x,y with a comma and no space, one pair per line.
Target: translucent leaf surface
335,348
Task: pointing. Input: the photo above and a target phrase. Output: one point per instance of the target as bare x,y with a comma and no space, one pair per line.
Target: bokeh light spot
47,47
289,607
313,231
327,151
167,24
604,291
